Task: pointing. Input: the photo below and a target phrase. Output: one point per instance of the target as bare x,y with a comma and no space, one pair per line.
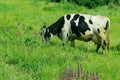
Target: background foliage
90,3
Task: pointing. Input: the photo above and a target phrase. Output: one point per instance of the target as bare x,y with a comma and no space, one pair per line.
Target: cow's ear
43,29
44,26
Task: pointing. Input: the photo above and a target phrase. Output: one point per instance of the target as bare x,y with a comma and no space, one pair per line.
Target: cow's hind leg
108,41
98,47
104,47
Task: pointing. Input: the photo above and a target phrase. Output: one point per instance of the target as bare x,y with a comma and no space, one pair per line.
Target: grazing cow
81,27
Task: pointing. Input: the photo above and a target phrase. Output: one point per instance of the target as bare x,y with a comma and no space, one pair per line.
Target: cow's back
99,21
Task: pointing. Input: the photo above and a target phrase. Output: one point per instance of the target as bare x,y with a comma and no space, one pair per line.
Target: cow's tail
107,28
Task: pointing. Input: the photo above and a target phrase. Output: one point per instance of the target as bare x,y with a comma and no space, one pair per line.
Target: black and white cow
81,27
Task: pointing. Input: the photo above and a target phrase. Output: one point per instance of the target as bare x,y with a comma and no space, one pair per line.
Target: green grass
23,56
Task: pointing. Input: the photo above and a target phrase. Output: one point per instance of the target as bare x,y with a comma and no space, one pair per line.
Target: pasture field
23,56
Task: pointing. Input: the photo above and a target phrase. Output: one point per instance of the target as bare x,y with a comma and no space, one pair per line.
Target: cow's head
45,34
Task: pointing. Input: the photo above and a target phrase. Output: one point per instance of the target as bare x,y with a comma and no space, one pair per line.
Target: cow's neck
56,27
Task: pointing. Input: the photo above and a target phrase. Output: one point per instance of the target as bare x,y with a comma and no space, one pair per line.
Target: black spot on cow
81,19
90,21
107,25
81,28
74,28
68,17
73,25
67,35
98,30
56,27
104,43
76,16
82,25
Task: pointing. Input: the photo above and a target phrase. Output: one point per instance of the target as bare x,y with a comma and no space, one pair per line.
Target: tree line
89,3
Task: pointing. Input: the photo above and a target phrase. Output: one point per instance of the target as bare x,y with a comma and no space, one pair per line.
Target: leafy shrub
89,3
55,0
118,47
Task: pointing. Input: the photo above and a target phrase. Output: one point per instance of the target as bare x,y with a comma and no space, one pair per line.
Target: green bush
89,3
55,0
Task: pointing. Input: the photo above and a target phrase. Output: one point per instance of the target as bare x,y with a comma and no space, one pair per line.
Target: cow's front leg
72,43
64,38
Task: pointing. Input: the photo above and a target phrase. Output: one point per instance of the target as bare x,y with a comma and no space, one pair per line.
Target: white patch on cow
76,22
99,21
66,30
51,35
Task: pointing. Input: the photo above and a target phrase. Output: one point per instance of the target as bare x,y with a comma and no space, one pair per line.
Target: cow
82,27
